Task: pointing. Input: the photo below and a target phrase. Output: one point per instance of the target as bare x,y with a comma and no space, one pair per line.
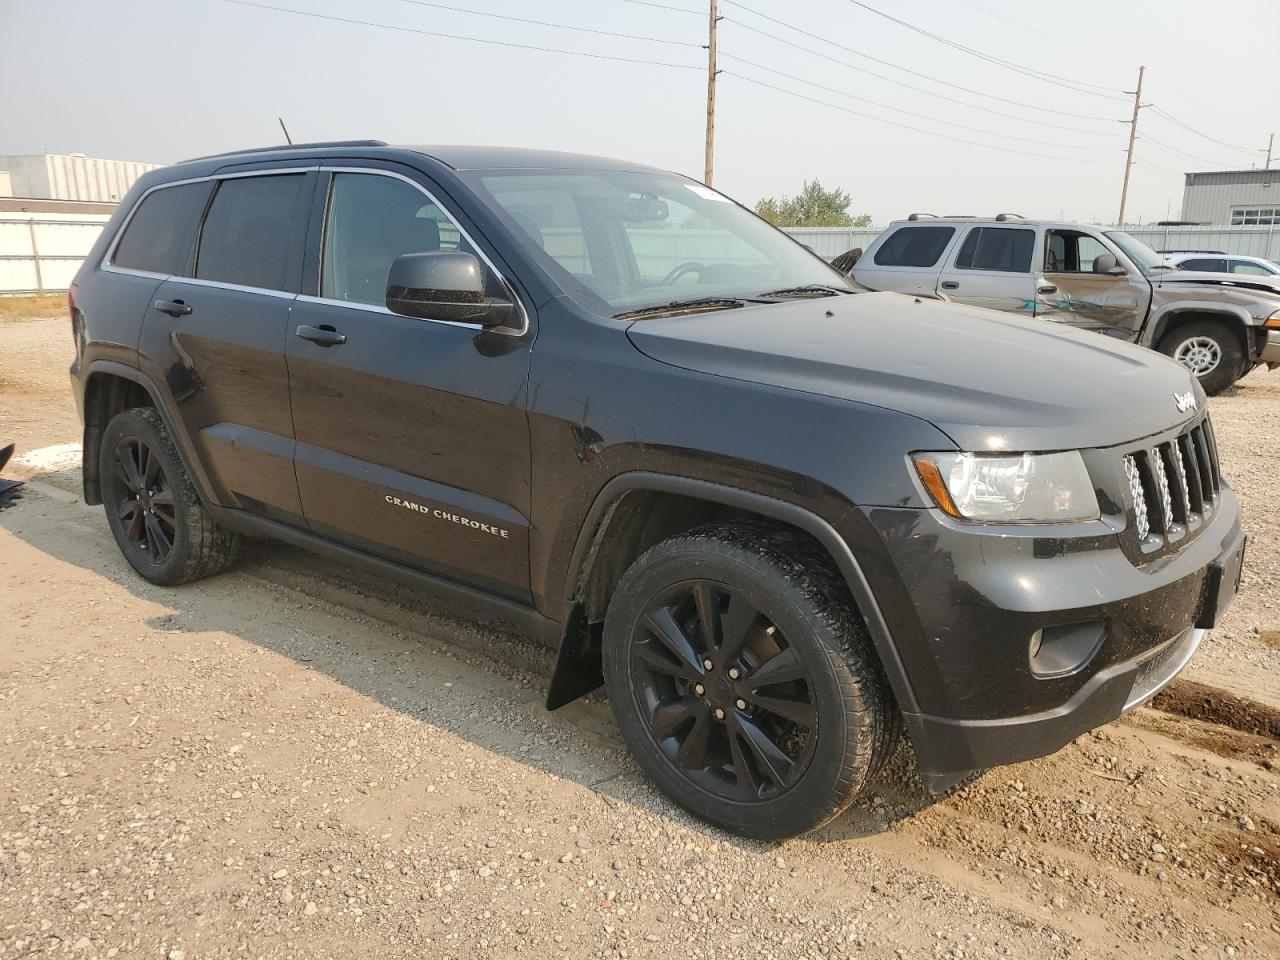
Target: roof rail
1002,217
291,146
923,216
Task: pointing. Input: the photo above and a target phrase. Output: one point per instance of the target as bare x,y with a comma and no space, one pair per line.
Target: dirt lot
291,760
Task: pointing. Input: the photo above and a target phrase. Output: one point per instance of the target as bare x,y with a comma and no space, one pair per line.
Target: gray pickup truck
1218,325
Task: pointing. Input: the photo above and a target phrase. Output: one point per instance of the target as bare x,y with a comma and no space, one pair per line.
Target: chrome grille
1138,496
1173,486
1162,486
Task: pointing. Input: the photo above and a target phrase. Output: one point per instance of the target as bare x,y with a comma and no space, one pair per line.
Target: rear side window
914,247
1243,266
252,231
1208,264
997,248
160,234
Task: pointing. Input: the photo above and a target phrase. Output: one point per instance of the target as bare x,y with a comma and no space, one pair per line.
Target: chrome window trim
372,308
109,266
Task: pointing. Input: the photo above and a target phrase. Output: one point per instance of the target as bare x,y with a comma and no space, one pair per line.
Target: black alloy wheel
743,679
152,508
726,698
144,500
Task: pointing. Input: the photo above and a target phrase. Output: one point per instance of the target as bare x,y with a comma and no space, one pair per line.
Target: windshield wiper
808,290
698,305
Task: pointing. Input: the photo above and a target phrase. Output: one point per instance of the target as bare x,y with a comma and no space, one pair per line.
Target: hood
990,380
1176,278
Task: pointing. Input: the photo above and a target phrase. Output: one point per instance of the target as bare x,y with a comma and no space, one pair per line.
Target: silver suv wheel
1200,355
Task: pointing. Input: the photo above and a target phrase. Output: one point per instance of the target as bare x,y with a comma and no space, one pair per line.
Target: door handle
323,335
950,285
1046,288
174,308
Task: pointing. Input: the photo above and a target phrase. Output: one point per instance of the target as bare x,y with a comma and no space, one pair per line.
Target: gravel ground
293,760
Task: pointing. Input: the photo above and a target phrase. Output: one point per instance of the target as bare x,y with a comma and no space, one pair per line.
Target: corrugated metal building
1239,198
73,177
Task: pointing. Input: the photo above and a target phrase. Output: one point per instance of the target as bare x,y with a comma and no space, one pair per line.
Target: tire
1210,350
163,529
779,614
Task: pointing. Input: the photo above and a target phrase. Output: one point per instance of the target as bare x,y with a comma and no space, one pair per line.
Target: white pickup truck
1219,325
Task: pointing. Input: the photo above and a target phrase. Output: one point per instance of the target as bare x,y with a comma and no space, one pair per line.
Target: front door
1071,290
413,442
223,332
993,268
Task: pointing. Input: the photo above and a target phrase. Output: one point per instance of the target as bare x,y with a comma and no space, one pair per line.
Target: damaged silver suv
1218,325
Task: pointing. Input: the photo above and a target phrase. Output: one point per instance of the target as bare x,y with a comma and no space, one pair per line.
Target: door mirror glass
444,285
1106,263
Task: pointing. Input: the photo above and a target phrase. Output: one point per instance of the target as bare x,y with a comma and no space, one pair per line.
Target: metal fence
41,253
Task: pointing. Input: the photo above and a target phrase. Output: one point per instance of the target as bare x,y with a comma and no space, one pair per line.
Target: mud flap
8,488
579,666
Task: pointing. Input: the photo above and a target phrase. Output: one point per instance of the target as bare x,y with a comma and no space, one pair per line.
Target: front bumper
976,599
1269,348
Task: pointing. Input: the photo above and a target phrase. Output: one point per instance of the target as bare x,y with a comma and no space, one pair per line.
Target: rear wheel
743,680
1210,350
158,521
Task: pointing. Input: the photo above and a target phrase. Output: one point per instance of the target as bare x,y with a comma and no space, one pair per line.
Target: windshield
619,242
1148,260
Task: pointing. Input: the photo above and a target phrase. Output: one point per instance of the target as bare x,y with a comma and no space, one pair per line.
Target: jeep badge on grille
1185,402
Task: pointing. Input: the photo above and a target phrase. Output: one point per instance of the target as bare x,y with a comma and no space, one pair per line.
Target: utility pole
1133,135
1271,142
709,168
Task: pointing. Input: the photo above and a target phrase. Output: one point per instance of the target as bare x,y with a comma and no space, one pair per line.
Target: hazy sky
161,80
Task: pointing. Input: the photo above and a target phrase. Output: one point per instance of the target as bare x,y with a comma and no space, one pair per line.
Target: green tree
813,206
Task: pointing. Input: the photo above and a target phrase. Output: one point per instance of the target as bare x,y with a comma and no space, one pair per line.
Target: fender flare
577,664
1236,318
180,440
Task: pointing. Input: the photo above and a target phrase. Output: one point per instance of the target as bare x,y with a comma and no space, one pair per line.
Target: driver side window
372,220
1070,251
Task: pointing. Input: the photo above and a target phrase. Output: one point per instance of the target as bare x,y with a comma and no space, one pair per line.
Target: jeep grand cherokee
779,520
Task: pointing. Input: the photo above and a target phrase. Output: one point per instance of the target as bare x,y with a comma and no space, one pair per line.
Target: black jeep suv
779,520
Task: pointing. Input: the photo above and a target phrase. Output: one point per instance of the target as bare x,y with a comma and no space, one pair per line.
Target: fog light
1063,650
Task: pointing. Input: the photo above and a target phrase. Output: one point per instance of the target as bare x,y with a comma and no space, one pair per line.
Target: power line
1186,126
1183,154
663,6
1057,38
910,86
1090,89
455,36
918,116
548,23
904,126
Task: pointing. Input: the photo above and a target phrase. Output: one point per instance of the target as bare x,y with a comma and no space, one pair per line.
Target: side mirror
444,285
1106,263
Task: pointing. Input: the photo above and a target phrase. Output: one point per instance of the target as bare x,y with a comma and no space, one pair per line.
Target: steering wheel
689,266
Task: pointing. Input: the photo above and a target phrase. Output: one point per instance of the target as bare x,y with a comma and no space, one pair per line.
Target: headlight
1023,488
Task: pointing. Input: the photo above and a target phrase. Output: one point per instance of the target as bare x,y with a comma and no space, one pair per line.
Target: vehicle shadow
390,663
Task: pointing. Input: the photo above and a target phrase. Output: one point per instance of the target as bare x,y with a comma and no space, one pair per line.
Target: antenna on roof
288,139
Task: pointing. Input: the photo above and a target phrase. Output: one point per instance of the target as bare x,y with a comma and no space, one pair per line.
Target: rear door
907,259
992,267
413,442
1071,290
218,337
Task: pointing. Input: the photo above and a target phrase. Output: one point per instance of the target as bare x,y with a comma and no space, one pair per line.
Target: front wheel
1210,350
743,680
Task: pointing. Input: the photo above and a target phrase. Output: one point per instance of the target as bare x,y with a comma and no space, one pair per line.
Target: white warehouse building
48,176
1238,198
